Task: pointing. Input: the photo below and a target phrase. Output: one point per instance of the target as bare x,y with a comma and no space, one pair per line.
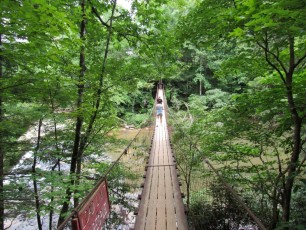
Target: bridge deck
161,206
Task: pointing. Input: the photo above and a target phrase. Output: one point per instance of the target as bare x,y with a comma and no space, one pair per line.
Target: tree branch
302,164
125,35
276,57
35,184
94,10
299,61
20,84
270,63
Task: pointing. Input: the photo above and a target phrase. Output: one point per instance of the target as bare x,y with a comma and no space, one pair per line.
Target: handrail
234,193
227,186
102,179
231,190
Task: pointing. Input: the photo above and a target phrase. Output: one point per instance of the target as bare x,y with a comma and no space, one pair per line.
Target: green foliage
135,119
298,205
40,46
215,58
212,99
247,137
216,209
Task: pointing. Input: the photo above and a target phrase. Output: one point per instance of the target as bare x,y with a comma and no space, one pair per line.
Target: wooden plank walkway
161,206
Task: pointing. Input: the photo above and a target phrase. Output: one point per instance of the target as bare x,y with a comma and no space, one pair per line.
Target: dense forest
72,71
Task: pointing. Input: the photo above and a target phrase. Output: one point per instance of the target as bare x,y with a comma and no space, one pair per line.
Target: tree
1,146
24,60
45,77
269,32
184,140
281,39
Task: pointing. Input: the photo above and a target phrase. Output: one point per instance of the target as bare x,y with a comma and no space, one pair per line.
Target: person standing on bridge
159,100
159,110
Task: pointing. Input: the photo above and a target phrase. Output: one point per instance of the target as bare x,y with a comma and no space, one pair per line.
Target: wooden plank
171,216
179,206
152,202
142,211
170,204
162,148
168,155
161,207
161,224
180,217
151,208
169,152
143,207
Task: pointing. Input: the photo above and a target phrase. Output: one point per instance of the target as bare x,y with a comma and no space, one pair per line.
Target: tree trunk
85,137
52,198
297,126
275,213
37,203
57,162
296,120
78,178
292,169
79,122
1,147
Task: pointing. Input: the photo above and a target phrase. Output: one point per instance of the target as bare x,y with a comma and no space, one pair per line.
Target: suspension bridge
160,205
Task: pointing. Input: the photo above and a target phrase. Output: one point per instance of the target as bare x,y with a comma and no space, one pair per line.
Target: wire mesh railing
210,205
124,179
211,202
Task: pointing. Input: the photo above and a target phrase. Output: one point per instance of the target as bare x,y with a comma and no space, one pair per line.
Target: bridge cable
102,179
227,186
